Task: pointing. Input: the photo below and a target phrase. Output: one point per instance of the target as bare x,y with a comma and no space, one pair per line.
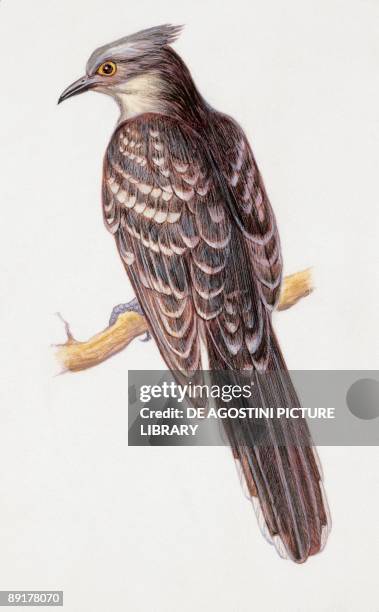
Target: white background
168,529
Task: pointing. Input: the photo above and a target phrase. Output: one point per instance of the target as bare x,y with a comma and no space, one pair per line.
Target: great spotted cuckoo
186,204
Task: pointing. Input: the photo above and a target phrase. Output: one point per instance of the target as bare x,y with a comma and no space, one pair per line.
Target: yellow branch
294,288
75,356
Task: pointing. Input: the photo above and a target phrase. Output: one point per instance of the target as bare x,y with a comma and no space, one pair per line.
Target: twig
75,356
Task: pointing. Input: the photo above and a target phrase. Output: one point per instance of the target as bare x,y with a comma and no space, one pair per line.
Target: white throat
142,94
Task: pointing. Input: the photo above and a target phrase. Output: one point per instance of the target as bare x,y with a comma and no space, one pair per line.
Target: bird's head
129,70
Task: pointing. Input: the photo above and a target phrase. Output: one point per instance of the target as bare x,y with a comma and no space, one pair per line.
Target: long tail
279,465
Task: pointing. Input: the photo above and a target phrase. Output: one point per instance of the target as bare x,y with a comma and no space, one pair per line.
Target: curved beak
83,84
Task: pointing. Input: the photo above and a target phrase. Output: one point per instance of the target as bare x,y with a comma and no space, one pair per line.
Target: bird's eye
107,69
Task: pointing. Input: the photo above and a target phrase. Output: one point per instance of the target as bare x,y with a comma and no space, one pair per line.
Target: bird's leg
132,306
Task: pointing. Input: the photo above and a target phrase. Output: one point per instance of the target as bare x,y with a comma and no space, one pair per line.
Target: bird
183,196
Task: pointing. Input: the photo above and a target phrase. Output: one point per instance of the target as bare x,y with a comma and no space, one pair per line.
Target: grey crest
136,45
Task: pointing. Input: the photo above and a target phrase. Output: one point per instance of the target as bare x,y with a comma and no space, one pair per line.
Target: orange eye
107,69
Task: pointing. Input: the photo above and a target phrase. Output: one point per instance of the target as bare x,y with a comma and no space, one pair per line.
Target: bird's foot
132,306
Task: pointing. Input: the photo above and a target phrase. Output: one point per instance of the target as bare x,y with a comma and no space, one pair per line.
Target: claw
132,306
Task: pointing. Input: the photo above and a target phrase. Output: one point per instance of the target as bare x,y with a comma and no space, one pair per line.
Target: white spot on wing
186,196
166,196
128,257
173,217
156,192
180,167
121,196
139,207
149,212
114,187
129,203
144,188
202,190
160,216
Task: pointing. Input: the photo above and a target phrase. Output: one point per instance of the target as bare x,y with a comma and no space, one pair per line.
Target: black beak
79,86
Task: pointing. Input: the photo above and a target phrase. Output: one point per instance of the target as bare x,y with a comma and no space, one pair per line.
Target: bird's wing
197,236
154,178
241,334
249,205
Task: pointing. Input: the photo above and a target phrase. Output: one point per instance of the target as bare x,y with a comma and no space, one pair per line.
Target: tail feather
279,463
